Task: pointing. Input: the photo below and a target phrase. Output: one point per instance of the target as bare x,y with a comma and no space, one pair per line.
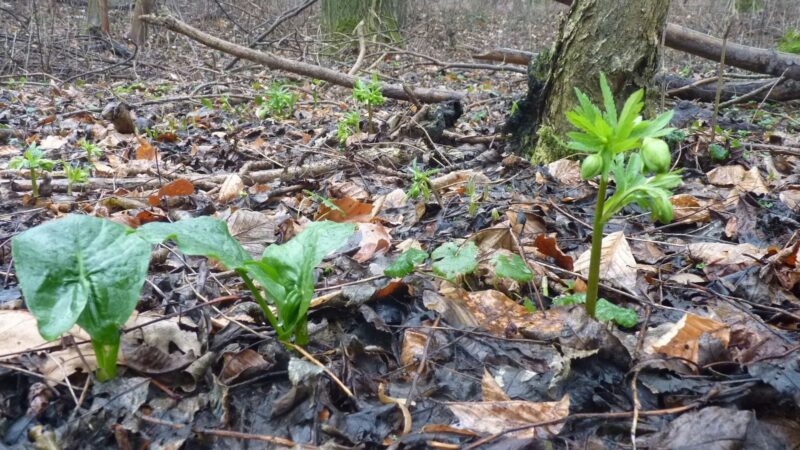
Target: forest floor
479,360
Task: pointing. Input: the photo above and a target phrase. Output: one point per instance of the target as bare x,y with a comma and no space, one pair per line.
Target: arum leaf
81,269
405,263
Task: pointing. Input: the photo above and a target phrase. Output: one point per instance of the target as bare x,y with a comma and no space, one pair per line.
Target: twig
314,361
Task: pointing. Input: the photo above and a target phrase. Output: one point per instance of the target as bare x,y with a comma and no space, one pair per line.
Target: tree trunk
97,16
138,33
384,17
617,37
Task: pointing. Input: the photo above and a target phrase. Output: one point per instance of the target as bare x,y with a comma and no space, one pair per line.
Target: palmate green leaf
82,270
450,261
286,271
405,263
605,312
513,268
199,236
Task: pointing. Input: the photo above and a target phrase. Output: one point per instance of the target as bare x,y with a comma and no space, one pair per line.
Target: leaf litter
456,342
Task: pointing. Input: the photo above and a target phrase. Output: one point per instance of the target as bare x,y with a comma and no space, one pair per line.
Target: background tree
386,17
617,37
97,15
138,33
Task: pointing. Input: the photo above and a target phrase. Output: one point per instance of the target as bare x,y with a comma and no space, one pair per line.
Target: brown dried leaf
492,392
413,348
689,208
239,365
374,238
145,150
352,211
548,245
738,177
496,417
683,339
617,264
230,189
566,171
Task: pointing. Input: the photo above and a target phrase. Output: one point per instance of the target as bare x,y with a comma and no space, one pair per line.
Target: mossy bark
382,17
617,37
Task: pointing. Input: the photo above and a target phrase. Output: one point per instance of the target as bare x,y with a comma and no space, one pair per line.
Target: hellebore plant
370,95
33,159
609,137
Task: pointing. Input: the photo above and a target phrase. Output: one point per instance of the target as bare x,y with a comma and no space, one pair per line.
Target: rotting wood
274,62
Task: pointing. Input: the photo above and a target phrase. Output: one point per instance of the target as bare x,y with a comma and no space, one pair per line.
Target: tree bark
138,33
97,15
384,17
617,37
298,67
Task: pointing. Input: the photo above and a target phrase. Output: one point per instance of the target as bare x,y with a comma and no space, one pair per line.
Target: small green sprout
92,150
348,126
370,95
607,137
421,182
278,102
33,159
75,175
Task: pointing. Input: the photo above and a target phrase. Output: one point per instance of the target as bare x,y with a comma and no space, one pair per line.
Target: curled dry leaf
685,338
176,188
548,245
146,150
413,349
457,180
497,416
689,208
617,264
241,364
350,210
721,258
374,238
566,171
230,189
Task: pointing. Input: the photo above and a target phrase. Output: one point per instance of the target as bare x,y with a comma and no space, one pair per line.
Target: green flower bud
655,155
662,209
591,166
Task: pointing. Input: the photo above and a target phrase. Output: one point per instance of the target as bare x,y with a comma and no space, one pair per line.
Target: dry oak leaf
689,208
617,264
683,338
374,238
495,417
738,177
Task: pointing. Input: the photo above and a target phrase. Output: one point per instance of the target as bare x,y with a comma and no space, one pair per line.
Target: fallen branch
754,59
297,67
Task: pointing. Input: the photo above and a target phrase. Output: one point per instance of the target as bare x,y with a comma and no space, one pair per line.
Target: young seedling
92,151
348,126
33,159
421,182
90,271
609,138
369,95
75,175
279,102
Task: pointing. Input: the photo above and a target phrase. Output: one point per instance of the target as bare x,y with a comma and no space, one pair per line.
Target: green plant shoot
609,137
420,182
33,159
348,126
278,102
75,175
370,95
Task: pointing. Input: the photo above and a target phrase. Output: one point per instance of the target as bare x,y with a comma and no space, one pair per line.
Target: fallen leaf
549,246
617,264
240,365
146,150
52,142
176,188
683,340
374,238
738,177
413,349
566,171
253,229
686,278
492,392
19,333
350,210
498,416
689,208
230,189
728,258
791,198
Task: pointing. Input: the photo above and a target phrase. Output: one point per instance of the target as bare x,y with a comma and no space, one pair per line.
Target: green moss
790,42
549,147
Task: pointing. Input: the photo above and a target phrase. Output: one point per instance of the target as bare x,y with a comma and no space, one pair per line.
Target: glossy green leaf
82,270
199,236
450,261
405,263
286,272
605,312
513,268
